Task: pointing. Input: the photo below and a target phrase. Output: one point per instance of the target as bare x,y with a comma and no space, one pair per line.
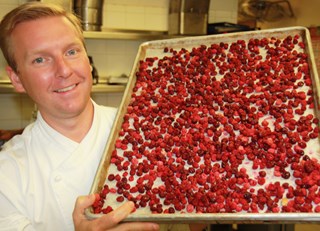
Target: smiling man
52,67
44,171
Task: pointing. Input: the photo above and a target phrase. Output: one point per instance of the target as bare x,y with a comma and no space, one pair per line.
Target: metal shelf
128,35
7,88
107,88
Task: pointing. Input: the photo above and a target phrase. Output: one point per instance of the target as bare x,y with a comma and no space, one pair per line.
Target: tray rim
224,218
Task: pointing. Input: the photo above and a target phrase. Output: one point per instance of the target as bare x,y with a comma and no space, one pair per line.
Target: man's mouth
66,89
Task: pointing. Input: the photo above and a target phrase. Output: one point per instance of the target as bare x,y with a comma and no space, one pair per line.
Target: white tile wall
223,11
117,15
16,111
153,15
113,57
5,6
110,99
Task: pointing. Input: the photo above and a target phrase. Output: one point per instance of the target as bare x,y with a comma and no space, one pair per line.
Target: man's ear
15,80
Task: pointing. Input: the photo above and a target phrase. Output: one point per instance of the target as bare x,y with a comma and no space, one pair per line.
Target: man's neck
75,128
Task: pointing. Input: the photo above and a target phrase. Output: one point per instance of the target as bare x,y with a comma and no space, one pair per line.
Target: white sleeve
10,219
15,222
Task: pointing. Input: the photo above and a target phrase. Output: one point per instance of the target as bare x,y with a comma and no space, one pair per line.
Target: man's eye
72,52
39,60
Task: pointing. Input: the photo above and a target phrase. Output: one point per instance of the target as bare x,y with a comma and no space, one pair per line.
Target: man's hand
108,221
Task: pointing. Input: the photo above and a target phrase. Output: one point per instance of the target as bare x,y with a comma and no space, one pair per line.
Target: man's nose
63,67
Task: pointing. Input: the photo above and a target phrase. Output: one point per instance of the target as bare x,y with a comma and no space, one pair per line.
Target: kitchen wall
111,57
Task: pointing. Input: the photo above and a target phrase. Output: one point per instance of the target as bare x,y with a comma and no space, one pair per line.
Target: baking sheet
155,49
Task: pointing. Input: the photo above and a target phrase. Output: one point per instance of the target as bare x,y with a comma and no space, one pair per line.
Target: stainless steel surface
91,12
188,17
127,35
151,49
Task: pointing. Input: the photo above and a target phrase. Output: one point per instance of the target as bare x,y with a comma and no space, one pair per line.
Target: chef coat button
58,178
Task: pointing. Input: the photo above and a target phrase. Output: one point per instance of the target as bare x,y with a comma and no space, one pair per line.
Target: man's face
52,66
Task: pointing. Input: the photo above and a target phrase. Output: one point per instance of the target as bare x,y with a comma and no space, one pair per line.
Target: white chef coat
43,172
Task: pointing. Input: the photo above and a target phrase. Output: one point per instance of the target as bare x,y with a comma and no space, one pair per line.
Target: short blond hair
27,12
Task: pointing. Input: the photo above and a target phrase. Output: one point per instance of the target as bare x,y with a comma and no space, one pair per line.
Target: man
44,170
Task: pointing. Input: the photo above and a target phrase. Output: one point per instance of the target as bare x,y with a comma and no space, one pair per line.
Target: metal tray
155,49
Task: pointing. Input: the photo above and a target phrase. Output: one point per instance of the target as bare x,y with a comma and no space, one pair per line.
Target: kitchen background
113,56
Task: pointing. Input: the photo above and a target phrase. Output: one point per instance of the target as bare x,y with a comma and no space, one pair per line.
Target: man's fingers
137,226
108,221
123,211
82,203
117,215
